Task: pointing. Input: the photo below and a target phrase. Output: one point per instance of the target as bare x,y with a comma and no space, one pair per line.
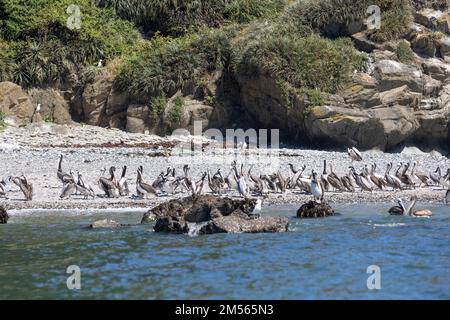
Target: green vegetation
156,48
2,120
395,19
177,17
404,52
177,109
43,50
158,105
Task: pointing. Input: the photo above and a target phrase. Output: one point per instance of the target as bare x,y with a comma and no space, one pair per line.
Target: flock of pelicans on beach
246,183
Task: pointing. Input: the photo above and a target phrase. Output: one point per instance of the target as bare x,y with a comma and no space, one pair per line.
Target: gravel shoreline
34,151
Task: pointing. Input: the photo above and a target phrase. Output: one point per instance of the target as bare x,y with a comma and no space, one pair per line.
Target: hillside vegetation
161,46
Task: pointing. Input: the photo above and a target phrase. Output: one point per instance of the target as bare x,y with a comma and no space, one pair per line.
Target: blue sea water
316,259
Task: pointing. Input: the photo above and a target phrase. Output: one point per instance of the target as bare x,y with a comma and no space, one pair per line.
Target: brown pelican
361,181
123,184
199,184
406,178
109,185
392,181
376,178
354,154
335,181
316,188
64,177
143,188
436,176
324,177
25,187
241,183
447,197
419,176
270,184
68,190
417,213
348,183
397,210
409,211
214,183
2,188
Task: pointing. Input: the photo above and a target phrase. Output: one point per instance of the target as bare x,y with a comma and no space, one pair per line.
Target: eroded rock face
209,214
3,215
53,106
15,104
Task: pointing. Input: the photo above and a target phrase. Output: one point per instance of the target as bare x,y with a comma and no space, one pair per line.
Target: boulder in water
106,223
209,214
3,215
314,209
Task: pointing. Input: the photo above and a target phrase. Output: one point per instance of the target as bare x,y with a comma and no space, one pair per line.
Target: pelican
214,183
68,190
354,154
376,178
123,184
324,176
447,197
143,188
199,185
3,188
258,207
316,188
392,181
436,176
25,187
409,211
417,213
361,181
64,177
397,210
241,183
109,185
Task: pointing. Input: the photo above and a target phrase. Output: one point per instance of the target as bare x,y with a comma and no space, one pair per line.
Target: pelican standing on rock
123,184
316,188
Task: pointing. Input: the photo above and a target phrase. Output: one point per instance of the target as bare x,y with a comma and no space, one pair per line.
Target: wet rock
106,223
3,215
313,209
209,214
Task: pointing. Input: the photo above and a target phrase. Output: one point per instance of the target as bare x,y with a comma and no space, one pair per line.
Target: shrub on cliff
165,64
46,50
303,62
178,17
326,16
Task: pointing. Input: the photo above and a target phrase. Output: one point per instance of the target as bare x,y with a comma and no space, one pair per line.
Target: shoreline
87,149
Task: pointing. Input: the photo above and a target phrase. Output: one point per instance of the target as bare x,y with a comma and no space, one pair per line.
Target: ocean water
316,259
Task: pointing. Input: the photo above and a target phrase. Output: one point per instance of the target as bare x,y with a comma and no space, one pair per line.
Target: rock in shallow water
313,209
3,215
106,223
209,214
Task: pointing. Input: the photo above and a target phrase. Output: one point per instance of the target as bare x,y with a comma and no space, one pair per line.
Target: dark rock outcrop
3,215
313,209
209,214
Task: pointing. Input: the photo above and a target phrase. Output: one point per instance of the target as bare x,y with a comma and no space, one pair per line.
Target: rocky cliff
401,96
